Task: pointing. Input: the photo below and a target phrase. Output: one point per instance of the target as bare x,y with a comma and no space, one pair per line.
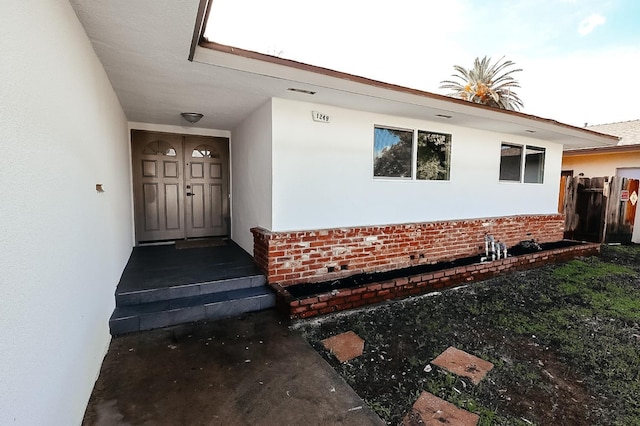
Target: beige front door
206,186
180,186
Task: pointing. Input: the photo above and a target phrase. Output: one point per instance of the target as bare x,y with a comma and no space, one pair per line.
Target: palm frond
486,83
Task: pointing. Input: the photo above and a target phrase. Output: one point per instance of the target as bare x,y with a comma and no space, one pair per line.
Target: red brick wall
350,298
318,255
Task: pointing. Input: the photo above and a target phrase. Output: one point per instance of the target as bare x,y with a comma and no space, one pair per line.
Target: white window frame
414,155
523,162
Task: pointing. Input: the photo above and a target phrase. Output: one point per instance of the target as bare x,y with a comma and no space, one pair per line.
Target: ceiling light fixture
306,92
191,117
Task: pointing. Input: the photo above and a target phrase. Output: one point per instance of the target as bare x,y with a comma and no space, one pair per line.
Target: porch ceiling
144,48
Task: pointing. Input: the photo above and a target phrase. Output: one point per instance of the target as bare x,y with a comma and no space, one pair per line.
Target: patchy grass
564,339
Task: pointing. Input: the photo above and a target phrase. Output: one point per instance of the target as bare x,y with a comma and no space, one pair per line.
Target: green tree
395,160
433,156
486,83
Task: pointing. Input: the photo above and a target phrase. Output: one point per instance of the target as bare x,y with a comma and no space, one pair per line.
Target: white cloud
415,43
589,24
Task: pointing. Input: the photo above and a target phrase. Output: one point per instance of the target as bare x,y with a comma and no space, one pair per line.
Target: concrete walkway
244,371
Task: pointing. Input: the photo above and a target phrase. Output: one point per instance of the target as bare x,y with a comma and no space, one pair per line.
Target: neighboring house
620,160
334,173
627,131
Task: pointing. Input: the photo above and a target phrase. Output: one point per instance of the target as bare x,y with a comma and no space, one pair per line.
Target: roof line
613,123
201,22
249,54
601,150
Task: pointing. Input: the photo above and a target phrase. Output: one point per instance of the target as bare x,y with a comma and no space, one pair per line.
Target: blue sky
383,139
580,58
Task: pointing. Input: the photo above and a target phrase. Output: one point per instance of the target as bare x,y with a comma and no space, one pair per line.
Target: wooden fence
599,209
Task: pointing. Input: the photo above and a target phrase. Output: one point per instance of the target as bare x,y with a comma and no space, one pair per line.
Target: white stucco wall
180,130
251,174
323,173
63,246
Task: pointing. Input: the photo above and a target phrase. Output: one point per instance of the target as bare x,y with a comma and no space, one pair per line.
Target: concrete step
214,305
137,297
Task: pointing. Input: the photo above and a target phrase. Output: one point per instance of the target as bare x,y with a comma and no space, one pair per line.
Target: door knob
189,194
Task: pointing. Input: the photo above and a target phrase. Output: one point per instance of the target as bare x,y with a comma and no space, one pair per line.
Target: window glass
534,165
205,151
159,148
510,162
434,150
393,151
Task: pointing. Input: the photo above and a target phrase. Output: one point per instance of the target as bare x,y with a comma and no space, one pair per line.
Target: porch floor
163,266
163,286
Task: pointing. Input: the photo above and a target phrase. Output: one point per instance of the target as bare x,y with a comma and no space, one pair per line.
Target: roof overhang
145,48
344,90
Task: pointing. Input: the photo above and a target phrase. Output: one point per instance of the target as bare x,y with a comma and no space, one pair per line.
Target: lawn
564,339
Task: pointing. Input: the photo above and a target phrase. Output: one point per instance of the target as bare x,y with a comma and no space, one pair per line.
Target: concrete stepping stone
345,346
430,410
463,364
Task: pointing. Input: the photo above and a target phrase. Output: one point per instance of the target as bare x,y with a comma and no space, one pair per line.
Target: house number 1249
321,117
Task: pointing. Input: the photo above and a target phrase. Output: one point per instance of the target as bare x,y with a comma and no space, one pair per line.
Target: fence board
584,208
621,213
561,196
571,218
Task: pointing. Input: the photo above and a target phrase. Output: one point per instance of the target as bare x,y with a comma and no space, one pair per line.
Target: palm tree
486,83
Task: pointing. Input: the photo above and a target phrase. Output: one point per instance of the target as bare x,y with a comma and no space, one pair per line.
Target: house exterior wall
323,174
331,218
179,130
598,165
63,244
251,172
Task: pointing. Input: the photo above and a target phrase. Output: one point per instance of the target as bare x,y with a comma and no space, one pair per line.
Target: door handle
189,194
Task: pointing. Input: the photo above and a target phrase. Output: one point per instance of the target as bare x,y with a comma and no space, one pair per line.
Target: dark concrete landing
153,267
243,371
163,286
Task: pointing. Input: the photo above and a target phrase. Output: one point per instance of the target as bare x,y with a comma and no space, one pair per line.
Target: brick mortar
398,288
295,257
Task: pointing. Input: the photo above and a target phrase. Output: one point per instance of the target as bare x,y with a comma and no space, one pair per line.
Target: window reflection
159,147
205,151
393,150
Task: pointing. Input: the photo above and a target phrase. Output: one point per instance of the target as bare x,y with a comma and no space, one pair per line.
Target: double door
181,186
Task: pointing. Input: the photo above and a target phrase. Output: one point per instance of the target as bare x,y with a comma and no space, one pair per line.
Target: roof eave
288,67
617,149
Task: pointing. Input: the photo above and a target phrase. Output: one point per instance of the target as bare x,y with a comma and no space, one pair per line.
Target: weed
378,408
556,335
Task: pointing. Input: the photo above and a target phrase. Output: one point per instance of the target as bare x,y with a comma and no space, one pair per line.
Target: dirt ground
564,339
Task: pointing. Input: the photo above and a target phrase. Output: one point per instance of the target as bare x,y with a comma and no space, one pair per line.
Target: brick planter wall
295,257
343,299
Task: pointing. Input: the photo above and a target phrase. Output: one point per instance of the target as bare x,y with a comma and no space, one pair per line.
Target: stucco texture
63,244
